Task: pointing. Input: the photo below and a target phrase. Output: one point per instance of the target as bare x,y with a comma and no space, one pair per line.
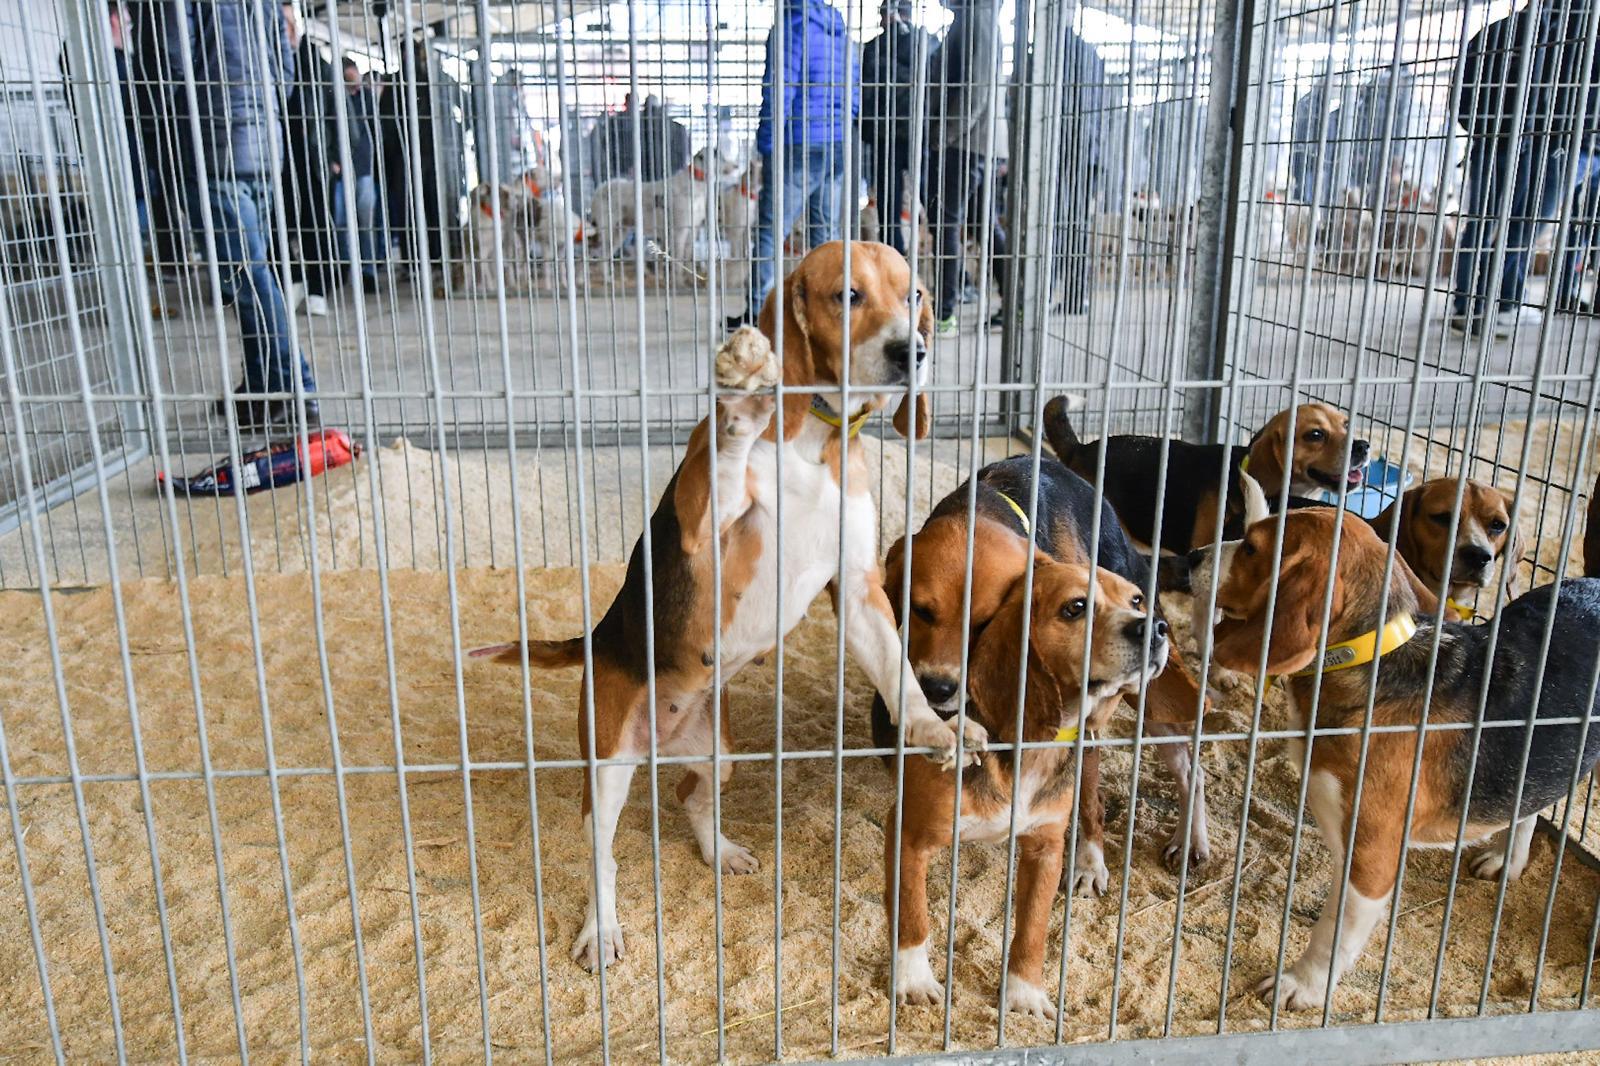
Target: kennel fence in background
260,803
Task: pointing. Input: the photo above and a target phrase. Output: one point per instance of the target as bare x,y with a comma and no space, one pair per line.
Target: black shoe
1575,307
997,320
280,418
743,318
369,284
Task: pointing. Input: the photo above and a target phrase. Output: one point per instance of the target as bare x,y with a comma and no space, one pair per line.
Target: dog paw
934,732
1294,991
1025,997
597,946
736,859
1490,860
1089,877
1172,853
746,361
915,985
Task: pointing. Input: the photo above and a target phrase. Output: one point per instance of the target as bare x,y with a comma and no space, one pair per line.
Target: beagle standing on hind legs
878,304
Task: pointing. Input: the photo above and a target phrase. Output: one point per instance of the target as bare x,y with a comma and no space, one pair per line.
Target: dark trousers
1072,258
891,165
952,173
1539,182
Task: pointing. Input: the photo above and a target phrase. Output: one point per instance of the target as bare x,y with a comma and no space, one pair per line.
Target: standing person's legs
893,160
1541,183
1075,258
947,180
770,229
1584,231
825,192
1486,166
239,210
366,225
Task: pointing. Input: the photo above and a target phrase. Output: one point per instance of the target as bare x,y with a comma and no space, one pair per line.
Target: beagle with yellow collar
1485,533
1363,635
880,301
1127,646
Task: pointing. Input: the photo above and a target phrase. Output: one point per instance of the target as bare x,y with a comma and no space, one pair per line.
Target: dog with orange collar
666,213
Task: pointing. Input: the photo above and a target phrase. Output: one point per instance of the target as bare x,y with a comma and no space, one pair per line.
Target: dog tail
1058,427
546,654
1255,500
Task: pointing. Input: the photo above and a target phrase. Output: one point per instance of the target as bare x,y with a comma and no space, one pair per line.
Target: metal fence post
1218,214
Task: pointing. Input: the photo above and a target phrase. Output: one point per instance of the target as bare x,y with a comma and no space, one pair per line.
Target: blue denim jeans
241,211
1583,238
1539,177
813,179
369,239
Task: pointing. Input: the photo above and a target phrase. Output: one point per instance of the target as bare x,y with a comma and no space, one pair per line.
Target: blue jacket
241,55
817,54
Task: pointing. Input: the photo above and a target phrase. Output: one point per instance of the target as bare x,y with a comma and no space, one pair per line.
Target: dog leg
599,943
1491,858
1307,983
695,793
915,984
875,644
1173,701
1038,874
1089,874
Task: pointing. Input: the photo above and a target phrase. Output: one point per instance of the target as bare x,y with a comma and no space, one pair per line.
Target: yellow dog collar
1365,648
1466,611
1022,516
1066,734
823,412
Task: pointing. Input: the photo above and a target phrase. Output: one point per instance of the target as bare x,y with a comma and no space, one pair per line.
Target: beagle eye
1440,519
1137,601
923,612
1496,527
1074,608
851,296
1315,436
1247,548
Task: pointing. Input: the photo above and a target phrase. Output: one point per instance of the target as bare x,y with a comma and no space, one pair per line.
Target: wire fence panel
1180,415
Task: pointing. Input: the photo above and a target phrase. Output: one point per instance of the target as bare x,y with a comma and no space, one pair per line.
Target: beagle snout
1472,560
939,689
909,353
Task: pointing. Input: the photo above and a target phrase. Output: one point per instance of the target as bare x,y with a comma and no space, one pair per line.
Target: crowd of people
229,105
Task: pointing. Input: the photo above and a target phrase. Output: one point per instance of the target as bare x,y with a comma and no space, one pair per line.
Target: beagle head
1315,459
1302,582
1062,642
504,201
889,321
938,575
1486,531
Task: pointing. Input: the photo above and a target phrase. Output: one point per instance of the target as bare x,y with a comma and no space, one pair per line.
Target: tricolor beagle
1058,630
880,301
1486,531
1518,688
1189,508
1000,547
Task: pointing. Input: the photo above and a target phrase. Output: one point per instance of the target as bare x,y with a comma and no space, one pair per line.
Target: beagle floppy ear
892,575
799,363
992,669
903,423
1295,623
1269,455
903,416
1511,556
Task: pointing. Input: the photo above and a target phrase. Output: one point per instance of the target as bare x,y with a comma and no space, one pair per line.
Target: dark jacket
1558,85
308,114
894,64
817,60
240,54
964,78
663,142
361,113
1083,101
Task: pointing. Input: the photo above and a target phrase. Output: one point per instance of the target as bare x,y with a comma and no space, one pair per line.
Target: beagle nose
1474,557
1358,452
1135,629
937,689
906,353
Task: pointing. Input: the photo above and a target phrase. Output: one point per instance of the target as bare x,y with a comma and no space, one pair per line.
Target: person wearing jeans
231,170
894,66
1583,237
809,60
1539,183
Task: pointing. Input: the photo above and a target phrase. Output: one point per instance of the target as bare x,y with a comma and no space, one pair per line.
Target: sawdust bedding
424,702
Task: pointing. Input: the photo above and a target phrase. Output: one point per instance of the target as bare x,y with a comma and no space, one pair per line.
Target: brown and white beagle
1059,644
1002,539
890,327
1486,532
1521,692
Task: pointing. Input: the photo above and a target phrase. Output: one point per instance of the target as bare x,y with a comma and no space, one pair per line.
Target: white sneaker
1506,323
316,305
295,293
